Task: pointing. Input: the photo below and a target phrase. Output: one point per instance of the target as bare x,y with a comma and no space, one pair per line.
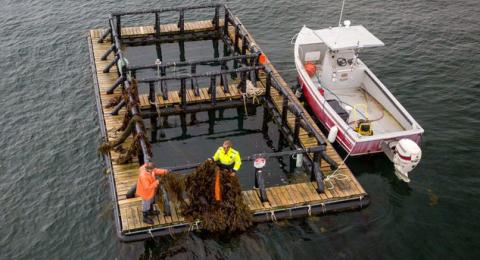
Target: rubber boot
153,212
147,219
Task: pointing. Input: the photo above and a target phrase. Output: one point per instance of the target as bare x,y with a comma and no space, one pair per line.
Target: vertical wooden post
157,26
154,125
266,119
213,90
216,52
181,46
119,27
268,85
316,173
226,21
193,70
260,184
237,36
244,45
183,92
216,18
211,121
243,82
296,131
240,115
151,92
284,109
183,123
163,84
181,22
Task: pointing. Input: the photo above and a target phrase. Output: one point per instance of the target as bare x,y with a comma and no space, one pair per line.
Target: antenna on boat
341,14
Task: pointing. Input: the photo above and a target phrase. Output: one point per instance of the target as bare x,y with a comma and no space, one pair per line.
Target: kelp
113,101
106,147
228,215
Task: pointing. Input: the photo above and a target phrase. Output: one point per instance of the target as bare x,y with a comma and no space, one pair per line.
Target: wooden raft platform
285,201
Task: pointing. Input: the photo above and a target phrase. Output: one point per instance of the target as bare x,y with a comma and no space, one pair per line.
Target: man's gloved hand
233,172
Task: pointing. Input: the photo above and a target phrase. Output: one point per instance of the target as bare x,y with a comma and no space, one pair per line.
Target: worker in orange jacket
147,185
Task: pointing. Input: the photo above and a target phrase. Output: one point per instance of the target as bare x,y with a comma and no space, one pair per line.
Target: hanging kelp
113,101
106,147
215,198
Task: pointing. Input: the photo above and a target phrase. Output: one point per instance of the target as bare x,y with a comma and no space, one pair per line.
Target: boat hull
350,145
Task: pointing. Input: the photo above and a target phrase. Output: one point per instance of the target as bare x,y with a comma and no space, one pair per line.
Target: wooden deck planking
126,175
175,99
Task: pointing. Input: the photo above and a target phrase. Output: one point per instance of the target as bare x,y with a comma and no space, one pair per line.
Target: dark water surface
54,198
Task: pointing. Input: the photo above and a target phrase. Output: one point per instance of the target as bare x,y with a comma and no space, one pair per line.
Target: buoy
262,59
311,69
299,160
332,135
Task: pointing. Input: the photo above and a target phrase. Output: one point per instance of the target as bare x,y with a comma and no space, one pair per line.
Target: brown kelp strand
113,101
106,147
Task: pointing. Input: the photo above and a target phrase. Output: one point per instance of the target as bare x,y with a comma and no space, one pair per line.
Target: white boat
357,110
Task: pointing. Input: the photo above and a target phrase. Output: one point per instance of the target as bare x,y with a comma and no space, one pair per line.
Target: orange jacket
147,183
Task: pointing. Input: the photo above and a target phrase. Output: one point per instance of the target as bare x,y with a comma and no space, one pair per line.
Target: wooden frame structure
113,76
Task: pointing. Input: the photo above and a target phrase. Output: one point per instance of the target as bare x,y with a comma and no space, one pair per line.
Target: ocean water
54,197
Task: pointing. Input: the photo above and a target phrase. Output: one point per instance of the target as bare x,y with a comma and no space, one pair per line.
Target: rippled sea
54,198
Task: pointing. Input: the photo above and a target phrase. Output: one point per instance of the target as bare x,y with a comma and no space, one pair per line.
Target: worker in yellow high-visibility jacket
228,158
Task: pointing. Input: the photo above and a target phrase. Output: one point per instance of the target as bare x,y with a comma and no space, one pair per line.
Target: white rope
251,92
324,210
337,176
272,215
150,232
309,210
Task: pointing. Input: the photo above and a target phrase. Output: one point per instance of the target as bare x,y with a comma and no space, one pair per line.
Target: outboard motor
406,158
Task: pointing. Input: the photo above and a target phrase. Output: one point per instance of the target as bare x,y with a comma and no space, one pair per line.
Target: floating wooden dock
286,201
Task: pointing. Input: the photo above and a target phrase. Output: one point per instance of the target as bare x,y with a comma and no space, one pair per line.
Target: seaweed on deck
230,214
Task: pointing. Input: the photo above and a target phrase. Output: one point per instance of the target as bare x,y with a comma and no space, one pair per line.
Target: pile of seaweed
227,215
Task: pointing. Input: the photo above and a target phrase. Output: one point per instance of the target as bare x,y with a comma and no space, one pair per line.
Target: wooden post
151,92
104,35
116,84
117,108
260,184
163,84
110,50
181,46
237,36
154,125
213,90
181,22
194,81
183,123
268,85
119,27
316,173
157,26
296,130
244,45
225,23
216,18
183,92
240,115
211,121
216,52
266,119
284,110
110,65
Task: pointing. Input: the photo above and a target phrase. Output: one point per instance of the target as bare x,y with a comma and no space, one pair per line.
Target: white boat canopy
340,38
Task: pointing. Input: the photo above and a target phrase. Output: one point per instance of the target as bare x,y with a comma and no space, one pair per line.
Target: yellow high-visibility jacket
229,158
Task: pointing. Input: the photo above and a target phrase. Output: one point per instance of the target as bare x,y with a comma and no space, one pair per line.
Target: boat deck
382,121
287,201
